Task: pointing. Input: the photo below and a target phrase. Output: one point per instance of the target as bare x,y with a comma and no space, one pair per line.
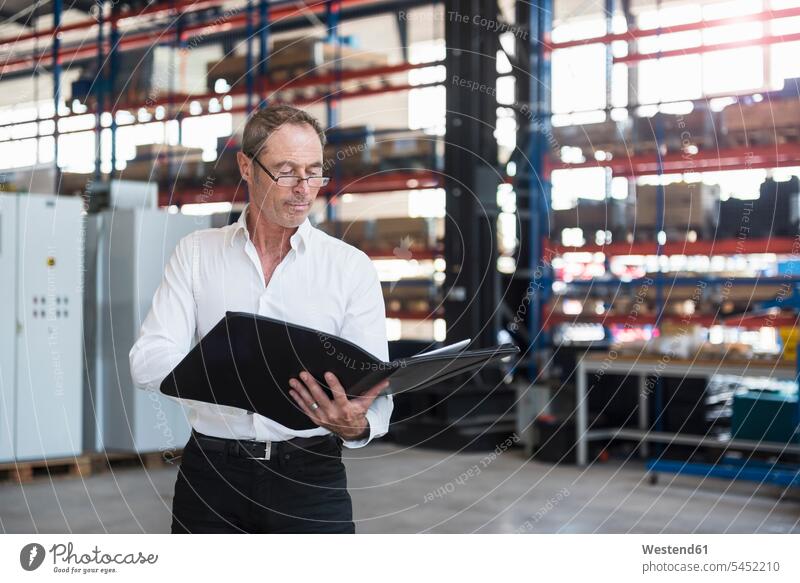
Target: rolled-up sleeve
365,325
169,328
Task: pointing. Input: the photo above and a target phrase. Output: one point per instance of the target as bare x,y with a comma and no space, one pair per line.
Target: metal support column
112,75
249,82
532,182
471,175
100,92
56,51
263,51
332,19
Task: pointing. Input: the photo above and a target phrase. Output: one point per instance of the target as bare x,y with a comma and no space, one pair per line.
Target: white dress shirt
323,283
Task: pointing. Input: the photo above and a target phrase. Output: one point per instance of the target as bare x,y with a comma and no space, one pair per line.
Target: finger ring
314,405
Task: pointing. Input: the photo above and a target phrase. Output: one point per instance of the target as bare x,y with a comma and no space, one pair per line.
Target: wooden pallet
83,465
26,471
764,137
118,460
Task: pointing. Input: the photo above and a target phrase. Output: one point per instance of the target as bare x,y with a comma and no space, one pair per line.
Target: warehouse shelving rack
206,27
203,28
533,188
192,23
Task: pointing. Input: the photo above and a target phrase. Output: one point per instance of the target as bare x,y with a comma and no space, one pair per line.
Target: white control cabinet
132,247
41,326
8,324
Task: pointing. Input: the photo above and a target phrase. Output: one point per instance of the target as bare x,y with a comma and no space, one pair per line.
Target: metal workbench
651,366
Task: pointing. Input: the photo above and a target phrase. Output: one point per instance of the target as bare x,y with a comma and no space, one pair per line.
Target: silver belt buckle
267,451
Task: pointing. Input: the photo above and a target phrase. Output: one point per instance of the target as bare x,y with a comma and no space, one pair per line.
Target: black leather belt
264,450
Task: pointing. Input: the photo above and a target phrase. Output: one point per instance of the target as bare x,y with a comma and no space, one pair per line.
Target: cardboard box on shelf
593,215
768,115
226,166
403,234
315,52
358,151
75,183
789,336
295,57
775,213
699,127
160,162
406,144
407,150
687,206
606,136
150,76
350,151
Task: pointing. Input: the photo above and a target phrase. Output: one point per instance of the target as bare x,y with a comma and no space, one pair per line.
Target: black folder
246,361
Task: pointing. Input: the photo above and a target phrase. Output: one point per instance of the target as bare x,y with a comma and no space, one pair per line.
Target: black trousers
302,491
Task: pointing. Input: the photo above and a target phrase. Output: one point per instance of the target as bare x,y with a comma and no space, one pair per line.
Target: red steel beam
129,42
741,158
182,99
748,322
237,109
388,182
776,245
413,315
425,253
687,26
344,95
384,182
297,83
179,6
701,49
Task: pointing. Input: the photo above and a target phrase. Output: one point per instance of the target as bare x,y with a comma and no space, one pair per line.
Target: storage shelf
177,105
387,182
740,158
418,254
88,48
637,33
416,315
380,182
669,279
709,48
776,245
748,322
171,101
409,282
698,440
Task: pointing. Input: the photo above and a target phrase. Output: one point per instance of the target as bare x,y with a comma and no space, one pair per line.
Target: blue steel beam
57,9
540,25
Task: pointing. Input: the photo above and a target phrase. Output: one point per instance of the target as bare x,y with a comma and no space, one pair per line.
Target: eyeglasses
313,181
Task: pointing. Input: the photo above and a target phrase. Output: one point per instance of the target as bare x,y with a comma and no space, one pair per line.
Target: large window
669,83
76,150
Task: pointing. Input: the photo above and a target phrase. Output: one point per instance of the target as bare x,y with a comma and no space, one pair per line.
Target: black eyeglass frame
296,179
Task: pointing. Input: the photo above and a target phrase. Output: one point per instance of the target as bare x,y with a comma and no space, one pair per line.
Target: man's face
292,150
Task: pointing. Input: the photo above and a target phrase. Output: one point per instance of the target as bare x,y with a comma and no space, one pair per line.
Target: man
243,472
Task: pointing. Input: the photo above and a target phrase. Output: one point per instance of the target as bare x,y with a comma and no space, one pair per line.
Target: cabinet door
49,350
8,323
140,243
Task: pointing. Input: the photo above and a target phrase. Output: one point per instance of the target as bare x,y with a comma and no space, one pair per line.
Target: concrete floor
409,491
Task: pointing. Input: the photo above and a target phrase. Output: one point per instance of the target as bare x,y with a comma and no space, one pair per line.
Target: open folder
246,361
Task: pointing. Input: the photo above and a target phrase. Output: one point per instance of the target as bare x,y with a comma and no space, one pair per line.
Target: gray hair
264,122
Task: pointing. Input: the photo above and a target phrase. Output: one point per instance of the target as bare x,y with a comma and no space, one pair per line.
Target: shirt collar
299,241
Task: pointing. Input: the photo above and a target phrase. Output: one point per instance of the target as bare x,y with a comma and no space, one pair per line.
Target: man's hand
343,416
